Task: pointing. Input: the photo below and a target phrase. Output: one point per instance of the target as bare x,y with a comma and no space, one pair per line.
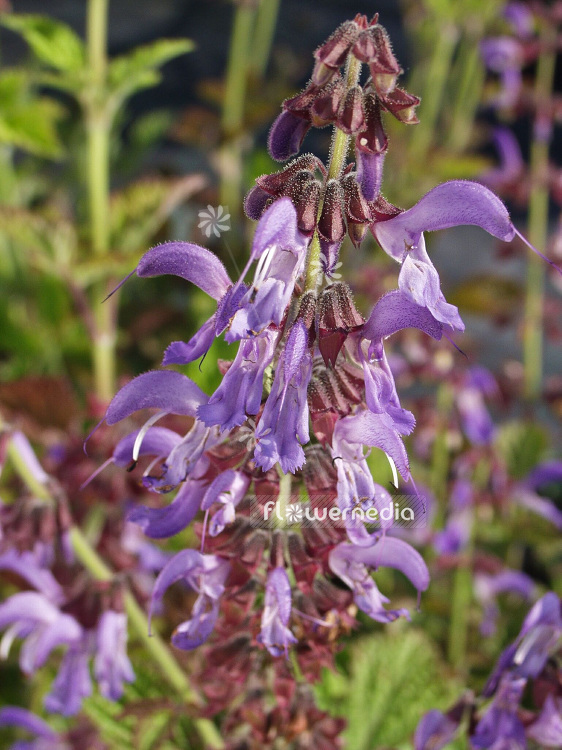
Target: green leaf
139,211
393,679
53,42
26,120
138,69
47,243
522,446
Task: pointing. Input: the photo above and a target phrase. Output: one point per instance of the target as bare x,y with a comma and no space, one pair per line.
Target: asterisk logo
294,513
215,220
319,267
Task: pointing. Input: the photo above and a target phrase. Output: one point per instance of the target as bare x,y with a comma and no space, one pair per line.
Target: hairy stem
538,220
338,159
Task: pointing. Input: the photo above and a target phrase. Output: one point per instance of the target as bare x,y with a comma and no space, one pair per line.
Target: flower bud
337,317
328,102
333,53
356,205
276,183
383,60
304,191
331,225
351,116
286,136
256,202
402,105
372,138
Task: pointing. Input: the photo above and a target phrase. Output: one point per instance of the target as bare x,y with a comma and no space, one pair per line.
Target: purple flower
205,574
454,537
240,391
111,665
547,729
538,638
351,563
528,493
275,634
72,683
280,250
489,587
283,426
450,204
512,165
160,523
45,737
520,17
475,417
357,490
173,393
434,731
286,136
500,728
30,615
504,55
228,489
376,431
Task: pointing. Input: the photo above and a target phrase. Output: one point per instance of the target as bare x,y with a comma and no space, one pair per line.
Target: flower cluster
310,387
531,658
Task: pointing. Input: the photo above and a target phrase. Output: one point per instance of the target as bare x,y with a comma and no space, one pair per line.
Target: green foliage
28,121
53,42
488,295
522,446
139,69
139,211
393,678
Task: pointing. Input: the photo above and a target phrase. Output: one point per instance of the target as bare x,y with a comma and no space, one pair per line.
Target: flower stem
283,499
338,158
460,609
230,155
98,126
263,36
468,93
538,219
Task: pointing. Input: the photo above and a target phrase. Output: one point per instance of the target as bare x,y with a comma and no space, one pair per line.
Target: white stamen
143,430
8,638
394,472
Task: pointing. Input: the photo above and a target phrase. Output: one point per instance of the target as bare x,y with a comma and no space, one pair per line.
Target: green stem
104,343
98,127
538,224
230,155
338,158
460,610
283,499
263,36
468,94
436,78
